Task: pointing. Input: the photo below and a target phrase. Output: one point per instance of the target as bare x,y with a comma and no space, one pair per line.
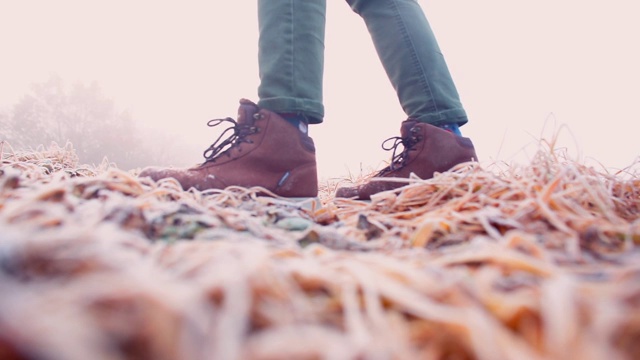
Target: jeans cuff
313,110
453,116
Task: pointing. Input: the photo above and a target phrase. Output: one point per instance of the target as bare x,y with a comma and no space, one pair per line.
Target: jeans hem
314,110
453,116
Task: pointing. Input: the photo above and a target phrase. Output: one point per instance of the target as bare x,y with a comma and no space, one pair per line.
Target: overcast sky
523,69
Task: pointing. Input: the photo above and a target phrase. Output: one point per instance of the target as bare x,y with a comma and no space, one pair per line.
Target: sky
525,71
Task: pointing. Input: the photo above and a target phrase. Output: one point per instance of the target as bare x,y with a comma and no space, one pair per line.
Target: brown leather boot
264,150
427,149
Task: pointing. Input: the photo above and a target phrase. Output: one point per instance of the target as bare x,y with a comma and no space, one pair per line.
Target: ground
535,261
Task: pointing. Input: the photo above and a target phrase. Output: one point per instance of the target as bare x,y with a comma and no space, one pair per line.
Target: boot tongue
407,125
246,111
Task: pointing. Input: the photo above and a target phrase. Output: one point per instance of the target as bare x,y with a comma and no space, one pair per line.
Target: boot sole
306,203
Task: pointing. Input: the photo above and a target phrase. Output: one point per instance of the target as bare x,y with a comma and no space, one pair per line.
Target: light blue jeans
291,58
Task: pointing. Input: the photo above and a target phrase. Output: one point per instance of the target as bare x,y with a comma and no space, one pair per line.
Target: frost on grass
512,262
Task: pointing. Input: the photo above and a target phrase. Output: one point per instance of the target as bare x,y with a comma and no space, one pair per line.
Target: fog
524,72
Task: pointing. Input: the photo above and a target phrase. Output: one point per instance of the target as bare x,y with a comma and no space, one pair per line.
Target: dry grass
515,262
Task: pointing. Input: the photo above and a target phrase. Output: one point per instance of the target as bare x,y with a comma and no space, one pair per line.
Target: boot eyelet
257,116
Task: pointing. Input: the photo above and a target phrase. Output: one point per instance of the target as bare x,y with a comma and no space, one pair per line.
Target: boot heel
301,182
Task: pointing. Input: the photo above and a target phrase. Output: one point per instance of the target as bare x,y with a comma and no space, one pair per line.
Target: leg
261,148
430,140
291,56
412,59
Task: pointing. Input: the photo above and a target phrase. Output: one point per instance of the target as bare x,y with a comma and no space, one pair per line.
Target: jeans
291,58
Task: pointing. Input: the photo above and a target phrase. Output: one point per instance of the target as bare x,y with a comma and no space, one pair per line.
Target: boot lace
236,134
399,158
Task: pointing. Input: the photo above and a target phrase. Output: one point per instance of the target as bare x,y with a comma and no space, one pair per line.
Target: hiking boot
427,149
262,150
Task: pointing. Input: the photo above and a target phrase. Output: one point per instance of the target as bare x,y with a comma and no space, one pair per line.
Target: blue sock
298,120
454,128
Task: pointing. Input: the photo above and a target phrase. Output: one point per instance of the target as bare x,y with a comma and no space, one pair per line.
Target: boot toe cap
348,192
157,174
152,172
